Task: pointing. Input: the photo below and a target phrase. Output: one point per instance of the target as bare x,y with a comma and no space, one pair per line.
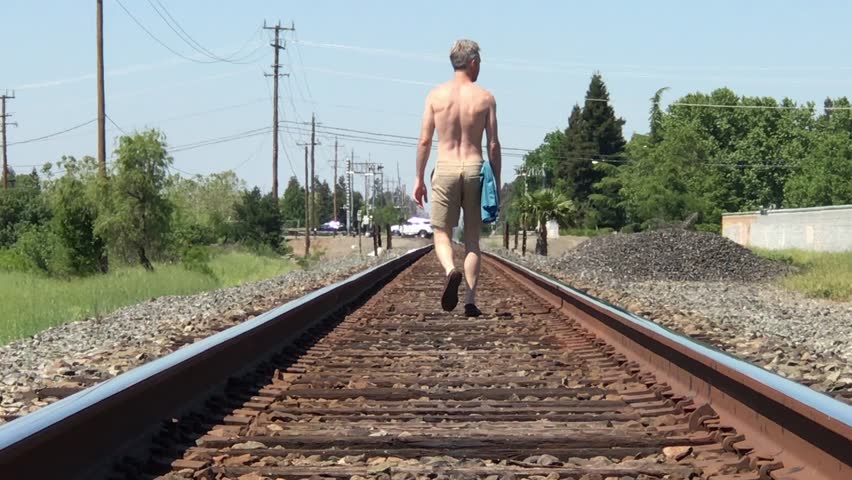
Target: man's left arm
495,156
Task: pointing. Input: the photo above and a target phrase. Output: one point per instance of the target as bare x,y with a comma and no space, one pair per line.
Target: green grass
584,232
236,267
821,274
32,302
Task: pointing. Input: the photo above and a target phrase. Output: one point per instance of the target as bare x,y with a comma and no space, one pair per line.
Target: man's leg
443,248
472,260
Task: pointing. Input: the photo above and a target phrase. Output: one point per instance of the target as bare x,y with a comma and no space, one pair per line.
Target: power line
511,62
154,37
684,104
369,137
115,124
44,137
287,156
302,64
297,85
192,43
214,110
223,139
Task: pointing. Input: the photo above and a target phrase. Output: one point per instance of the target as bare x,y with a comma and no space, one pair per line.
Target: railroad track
548,384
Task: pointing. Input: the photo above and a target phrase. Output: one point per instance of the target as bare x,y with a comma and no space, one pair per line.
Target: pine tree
601,127
594,135
573,170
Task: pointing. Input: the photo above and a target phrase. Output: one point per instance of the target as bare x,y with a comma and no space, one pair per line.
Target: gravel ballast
671,254
702,286
36,371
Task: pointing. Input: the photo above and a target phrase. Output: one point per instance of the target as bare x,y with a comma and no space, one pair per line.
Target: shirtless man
460,110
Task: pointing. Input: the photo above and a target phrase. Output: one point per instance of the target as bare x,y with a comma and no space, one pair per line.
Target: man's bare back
461,111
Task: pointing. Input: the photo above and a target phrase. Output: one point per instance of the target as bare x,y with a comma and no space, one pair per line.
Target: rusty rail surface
549,383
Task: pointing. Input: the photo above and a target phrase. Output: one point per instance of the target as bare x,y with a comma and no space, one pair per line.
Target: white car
415,227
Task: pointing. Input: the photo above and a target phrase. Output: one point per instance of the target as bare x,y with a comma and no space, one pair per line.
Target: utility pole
334,183
309,182
276,47
307,212
349,188
313,174
3,123
101,100
401,198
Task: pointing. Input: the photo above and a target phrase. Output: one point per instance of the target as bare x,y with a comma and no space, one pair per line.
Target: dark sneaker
470,310
450,297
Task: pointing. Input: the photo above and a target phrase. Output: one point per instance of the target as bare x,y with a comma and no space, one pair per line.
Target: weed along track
547,384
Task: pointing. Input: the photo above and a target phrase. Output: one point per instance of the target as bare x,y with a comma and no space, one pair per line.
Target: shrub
40,250
12,261
709,227
197,259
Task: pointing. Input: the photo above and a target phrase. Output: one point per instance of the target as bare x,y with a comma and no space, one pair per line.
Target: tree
602,128
136,216
547,204
21,205
542,163
519,212
204,206
342,200
656,118
324,202
754,146
606,205
574,168
672,180
507,191
358,205
385,216
75,213
293,204
594,134
837,116
825,174
258,220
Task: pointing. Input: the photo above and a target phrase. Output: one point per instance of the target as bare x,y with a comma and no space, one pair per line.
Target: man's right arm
424,147
495,156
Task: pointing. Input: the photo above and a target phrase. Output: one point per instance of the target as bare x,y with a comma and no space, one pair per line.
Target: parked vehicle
332,226
415,227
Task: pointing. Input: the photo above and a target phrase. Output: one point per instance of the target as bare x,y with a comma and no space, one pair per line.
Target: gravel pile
38,370
671,254
804,339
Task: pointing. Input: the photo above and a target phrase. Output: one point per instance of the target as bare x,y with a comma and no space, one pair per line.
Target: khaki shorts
456,186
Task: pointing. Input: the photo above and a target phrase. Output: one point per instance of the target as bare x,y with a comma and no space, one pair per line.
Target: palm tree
547,204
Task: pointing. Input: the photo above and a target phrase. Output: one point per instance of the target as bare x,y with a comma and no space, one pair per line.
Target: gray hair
463,52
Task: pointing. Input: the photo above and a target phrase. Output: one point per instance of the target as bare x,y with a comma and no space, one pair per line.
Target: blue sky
367,65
